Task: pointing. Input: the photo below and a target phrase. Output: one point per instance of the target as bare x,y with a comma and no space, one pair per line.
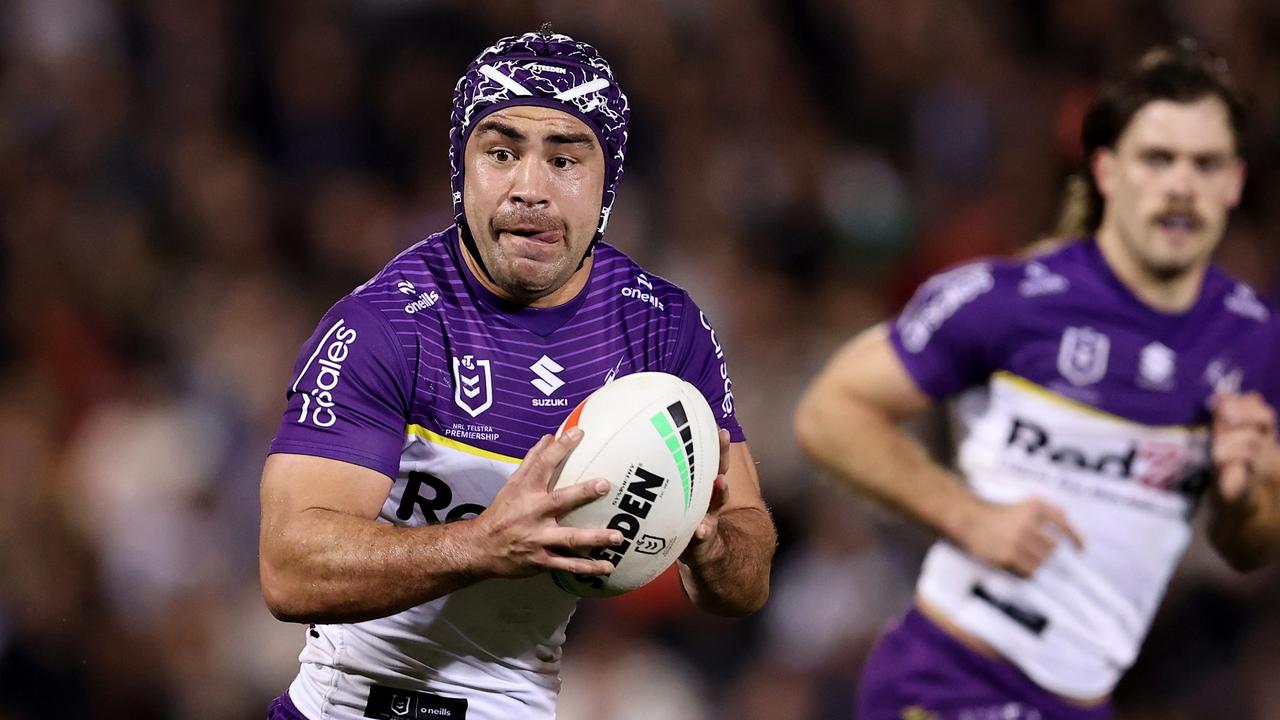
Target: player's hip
919,671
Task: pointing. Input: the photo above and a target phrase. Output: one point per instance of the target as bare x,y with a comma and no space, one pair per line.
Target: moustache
524,221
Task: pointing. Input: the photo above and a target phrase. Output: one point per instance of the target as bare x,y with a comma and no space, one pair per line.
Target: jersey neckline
1204,295
539,321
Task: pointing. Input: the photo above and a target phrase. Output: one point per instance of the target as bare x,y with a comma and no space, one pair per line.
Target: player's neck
561,295
1165,293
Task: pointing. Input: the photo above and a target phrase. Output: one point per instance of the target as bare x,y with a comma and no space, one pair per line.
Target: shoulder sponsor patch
320,378
938,299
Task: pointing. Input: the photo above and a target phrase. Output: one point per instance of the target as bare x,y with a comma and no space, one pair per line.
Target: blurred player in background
1102,386
405,510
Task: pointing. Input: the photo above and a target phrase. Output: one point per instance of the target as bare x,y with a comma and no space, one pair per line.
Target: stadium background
185,186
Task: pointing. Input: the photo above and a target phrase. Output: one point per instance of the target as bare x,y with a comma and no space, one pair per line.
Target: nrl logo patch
472,384
1082,356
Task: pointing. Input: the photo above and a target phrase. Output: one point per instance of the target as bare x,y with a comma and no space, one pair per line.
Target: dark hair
1181,73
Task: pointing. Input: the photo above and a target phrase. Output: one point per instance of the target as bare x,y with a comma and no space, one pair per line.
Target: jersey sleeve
699,359
350,393
950,335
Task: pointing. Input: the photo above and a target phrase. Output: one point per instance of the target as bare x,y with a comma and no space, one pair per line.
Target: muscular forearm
734,583
865,450
326,566
1247,533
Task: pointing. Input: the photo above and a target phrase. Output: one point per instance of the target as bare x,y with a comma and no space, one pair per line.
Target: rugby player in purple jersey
1102,388
405,510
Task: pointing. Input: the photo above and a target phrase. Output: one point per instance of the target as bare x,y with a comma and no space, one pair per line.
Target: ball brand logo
472,384
673,426
634,504
318,402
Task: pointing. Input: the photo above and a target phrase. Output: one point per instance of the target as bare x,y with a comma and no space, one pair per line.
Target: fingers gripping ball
654,438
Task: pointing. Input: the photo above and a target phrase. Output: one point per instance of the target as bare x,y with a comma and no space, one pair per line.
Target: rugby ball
654,438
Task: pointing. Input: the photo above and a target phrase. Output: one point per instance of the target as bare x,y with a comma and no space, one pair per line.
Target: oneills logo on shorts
332,350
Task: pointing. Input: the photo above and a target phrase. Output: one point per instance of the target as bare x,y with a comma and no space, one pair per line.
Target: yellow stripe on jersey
442,441
1045,393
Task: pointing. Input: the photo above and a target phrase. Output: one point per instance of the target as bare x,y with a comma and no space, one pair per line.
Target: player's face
532,192
1169,183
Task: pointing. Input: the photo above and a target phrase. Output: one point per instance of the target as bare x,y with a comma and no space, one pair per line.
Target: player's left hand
706,544
1244,428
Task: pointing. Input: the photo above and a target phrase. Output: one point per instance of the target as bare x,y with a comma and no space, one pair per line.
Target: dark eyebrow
511,133
502,129
572,139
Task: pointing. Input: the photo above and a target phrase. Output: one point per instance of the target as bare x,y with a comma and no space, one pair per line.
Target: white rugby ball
654,438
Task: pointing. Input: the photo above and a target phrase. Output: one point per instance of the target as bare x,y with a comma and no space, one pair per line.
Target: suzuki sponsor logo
1082,356
547,381
644,293
332,350
472,384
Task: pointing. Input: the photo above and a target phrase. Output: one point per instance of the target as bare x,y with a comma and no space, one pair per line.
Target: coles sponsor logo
643,293
332,351
726,405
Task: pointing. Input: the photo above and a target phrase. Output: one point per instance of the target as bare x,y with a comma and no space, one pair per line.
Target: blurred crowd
186,185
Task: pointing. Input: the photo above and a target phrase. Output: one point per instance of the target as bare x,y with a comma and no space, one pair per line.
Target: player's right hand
519,533
1016,538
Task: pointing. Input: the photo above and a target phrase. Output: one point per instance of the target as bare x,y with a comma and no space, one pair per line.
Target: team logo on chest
1082,356
1156,367
472,384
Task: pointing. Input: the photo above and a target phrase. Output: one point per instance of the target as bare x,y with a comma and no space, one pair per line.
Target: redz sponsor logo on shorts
331,352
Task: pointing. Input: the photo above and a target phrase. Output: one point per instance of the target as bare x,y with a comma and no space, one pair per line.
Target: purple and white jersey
1072,390
427,377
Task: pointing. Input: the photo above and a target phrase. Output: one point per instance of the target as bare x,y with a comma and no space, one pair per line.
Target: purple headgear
547,70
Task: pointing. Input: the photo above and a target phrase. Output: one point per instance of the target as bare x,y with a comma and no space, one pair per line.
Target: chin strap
473,250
